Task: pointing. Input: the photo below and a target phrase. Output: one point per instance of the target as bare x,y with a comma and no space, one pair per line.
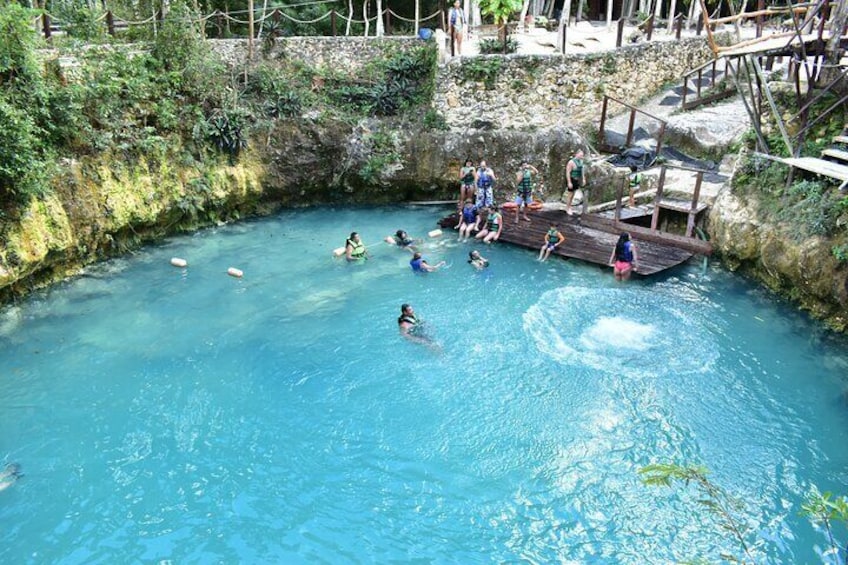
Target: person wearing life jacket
575,177
494,225
634,181
402,240
469,220
624,259
411,327
354,248
419,264
524,181
467,180
477,261
553,239
485,185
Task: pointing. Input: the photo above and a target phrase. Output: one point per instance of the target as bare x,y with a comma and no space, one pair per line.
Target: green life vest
577,171
526,184
358,249
552,236
467,175
493,221
635,180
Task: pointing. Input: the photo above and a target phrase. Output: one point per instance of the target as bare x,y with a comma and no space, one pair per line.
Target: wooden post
630,124
700,27
655,219
693,210
45,22
249,30
388,19
650,27
620,34
679,27
710,38
698,84
660,136
444,20
619,196
685,89
110,23
601,137
761,4
333,21
452,40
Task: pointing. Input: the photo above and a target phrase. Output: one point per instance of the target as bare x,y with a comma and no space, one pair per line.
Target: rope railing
263,15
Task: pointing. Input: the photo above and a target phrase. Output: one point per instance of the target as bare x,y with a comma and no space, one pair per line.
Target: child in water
477,261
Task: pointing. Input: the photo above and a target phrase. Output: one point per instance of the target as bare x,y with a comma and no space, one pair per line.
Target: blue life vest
483,178
469,214
627,252
416,264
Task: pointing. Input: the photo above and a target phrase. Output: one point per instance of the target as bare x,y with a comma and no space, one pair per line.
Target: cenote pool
184,416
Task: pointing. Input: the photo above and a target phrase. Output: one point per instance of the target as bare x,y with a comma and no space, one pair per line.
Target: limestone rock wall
802,270
523,91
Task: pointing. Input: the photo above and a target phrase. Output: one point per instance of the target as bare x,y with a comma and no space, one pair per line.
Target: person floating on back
477,261
575,177
524,180
624,259
355,250
469,220
419,264
553,239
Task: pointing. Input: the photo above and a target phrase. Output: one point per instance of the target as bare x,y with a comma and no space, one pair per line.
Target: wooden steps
841,139
836,154
819,166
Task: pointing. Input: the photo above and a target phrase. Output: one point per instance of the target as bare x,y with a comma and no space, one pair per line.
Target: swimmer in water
419,264
477,261
10,475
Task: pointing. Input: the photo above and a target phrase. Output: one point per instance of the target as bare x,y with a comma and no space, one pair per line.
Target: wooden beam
645,234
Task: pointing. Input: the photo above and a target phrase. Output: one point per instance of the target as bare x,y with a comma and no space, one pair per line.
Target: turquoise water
163,414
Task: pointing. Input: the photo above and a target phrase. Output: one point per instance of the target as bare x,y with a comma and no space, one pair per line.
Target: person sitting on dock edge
553,239
469,220
494,225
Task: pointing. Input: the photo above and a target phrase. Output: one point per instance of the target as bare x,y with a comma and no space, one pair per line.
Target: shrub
492,46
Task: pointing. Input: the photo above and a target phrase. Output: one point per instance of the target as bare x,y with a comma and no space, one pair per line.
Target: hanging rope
318,19
398,16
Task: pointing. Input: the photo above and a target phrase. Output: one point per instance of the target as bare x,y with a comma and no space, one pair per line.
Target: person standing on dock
457,23
553,239
575,176
524,181
467,180
624,259
485,185
494,225
634,182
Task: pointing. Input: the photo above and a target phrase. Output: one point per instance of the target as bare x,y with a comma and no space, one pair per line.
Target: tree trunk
349,17
523,16
609,14
694,13
417,15
832,53
658,10
579,15
379,31
671,13
365,17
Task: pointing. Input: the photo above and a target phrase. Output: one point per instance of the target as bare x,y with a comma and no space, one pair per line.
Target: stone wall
521,91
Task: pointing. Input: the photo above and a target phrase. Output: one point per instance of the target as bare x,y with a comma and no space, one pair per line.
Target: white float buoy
338,252
177,262
233,272
390,240
434,233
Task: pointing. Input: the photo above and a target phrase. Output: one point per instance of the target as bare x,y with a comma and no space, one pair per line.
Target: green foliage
827,511
491,45
21,157
18,42
609,66
481,69
811,208
840,252
227,129
435,120
728,511
79,21
500,10
382,154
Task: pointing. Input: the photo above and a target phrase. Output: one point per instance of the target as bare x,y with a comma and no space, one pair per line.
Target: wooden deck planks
583,242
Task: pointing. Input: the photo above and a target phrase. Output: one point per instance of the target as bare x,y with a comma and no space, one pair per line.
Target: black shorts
575,184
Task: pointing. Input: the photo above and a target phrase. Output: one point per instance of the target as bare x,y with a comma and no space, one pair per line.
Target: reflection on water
181,415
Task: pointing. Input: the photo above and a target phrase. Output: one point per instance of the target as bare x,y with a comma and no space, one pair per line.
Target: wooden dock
591,238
